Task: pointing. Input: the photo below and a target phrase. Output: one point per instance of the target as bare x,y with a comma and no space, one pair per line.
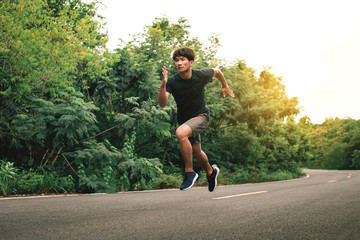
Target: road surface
325,205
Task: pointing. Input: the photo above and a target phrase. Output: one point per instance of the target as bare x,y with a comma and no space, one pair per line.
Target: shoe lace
187,174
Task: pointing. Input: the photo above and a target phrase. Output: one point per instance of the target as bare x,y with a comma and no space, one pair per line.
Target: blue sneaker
189,180
213,178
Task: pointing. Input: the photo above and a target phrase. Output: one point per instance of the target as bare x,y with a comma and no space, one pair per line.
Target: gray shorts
198,124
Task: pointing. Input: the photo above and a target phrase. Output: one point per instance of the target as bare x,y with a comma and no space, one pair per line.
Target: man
187,87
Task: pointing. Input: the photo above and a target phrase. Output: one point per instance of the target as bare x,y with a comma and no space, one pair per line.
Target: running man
187,87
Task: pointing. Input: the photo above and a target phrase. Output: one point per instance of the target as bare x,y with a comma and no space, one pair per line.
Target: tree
42,48
259,101
158,40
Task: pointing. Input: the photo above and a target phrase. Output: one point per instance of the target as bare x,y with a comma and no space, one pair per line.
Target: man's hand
165,77
226,90
163,95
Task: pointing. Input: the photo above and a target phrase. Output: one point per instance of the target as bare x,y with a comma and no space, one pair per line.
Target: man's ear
191,62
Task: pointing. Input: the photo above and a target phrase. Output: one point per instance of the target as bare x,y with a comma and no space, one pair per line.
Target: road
325,205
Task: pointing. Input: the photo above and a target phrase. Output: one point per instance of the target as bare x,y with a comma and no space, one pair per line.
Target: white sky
313,44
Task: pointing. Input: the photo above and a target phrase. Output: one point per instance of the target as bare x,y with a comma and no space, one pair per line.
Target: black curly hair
184,52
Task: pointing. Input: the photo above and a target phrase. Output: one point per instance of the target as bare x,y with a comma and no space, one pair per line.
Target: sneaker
213,178
189,180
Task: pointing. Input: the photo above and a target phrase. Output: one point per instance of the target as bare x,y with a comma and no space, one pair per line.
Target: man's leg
211,172
183,133
202,159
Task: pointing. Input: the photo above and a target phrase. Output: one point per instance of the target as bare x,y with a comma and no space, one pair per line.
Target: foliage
336,144
259,173
165,181
43,182
157,42
259,101
7,173
42,48
16,181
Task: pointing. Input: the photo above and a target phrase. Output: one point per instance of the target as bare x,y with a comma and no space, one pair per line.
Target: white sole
192,184
218,171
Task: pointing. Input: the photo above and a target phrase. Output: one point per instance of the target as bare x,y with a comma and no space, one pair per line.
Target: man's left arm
225,89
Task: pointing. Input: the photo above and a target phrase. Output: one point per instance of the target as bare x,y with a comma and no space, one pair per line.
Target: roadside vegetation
76,117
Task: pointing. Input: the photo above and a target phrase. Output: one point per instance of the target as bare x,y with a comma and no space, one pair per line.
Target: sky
314,45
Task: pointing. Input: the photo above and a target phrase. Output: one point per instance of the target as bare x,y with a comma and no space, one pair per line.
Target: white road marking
240,195
51,196
331,181
349,176
31,197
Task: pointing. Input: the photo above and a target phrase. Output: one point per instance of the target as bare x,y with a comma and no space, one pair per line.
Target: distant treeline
76,117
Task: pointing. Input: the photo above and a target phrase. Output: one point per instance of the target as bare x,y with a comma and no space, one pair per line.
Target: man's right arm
163,94
225,89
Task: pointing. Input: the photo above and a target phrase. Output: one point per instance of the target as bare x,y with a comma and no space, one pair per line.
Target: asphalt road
326,205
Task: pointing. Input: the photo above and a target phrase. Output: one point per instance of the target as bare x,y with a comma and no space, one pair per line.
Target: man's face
183,64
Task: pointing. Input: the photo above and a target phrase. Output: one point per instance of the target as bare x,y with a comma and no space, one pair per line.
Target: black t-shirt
189,94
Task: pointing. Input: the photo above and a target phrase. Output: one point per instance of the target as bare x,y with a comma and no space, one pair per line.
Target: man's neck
186,75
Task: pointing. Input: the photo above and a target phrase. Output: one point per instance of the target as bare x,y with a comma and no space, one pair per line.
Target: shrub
7,175
14,181
165,181
30,181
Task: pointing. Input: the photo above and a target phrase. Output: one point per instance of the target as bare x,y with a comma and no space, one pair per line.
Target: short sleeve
207,74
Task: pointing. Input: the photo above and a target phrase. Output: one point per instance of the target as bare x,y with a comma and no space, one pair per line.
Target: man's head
184,59
184,52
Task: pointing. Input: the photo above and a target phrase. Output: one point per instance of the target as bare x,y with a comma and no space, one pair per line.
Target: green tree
42,48
158,40
336,143
259,101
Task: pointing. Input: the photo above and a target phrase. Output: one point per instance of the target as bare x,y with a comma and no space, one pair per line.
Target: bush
14,181
43,182
166,181
257,174
7,175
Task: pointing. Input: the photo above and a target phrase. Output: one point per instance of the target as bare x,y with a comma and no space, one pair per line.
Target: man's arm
225,89
163,94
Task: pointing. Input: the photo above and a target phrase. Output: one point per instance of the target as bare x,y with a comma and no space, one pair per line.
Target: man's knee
183,133
179,134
